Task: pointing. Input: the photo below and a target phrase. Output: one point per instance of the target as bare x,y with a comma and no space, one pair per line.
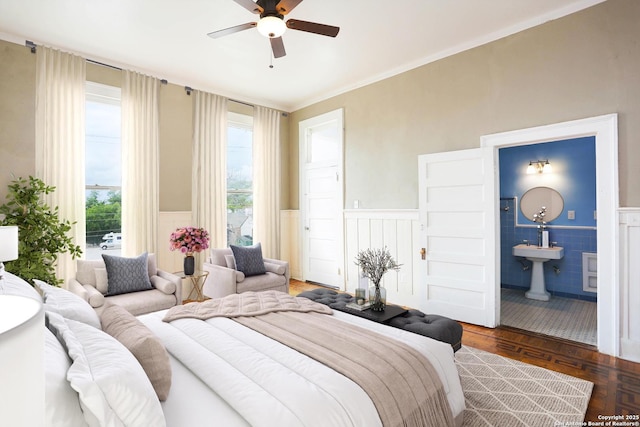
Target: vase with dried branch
374,263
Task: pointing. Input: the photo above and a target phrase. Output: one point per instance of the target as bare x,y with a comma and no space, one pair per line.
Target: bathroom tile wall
573,177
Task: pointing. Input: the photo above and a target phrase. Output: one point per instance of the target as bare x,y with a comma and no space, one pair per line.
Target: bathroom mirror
535,198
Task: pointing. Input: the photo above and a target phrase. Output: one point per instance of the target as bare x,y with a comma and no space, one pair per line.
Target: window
103,170
240,180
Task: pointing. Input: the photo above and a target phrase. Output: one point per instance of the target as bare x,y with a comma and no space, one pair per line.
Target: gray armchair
90,284
225,280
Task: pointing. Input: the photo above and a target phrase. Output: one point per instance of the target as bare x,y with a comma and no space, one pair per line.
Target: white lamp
8,245
21,361
271,26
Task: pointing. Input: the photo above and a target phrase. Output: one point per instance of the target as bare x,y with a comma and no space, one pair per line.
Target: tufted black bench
430,325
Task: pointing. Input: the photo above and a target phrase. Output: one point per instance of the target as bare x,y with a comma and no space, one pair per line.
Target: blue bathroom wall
574,165
573,176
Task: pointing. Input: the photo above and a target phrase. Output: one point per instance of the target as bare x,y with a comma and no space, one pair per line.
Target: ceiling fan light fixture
271,26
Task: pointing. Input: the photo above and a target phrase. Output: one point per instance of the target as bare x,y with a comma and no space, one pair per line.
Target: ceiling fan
272,24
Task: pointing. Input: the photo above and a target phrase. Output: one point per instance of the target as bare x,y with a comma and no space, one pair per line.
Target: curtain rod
283,113
189,89
241,102
102,64
32,46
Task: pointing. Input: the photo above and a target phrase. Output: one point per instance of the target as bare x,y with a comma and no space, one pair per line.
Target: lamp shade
8,243
531,169
271,26
21,361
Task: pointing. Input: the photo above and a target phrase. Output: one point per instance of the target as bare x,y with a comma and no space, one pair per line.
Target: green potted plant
42,234
374,263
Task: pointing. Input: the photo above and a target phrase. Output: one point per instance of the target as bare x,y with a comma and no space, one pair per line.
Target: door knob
423,253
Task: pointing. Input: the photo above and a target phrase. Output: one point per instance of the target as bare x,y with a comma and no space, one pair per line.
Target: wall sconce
539,166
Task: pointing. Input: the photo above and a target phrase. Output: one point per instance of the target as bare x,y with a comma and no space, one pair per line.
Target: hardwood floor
616,382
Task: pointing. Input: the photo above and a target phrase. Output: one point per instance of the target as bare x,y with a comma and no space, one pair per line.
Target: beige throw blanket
245,304
401,382
403,385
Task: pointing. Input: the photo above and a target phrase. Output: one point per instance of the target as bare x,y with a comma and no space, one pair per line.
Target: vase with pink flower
189,240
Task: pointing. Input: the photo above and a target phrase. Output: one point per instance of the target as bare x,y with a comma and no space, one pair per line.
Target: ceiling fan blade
286,6
231,30
277,46
312,27
250,5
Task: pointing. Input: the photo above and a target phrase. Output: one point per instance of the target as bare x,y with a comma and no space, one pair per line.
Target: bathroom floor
567,318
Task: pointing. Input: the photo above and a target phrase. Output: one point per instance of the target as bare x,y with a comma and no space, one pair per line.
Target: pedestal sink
538,256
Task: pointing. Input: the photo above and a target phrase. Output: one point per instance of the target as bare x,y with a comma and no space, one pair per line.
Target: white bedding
225,374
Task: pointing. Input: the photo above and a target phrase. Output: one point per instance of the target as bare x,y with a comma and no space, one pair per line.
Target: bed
222,373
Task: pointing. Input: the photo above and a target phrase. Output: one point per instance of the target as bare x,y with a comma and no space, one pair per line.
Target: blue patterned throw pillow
126,275
249,259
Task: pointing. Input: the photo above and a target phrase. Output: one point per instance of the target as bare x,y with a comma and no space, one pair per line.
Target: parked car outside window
111,244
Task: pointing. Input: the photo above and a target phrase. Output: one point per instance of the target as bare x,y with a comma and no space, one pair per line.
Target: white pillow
113,388
11,284
62,403
67,304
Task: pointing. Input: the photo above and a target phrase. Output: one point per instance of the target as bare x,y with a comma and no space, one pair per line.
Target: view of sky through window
103,163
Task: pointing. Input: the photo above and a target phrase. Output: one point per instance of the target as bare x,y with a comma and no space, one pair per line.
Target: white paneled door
321,199
458,218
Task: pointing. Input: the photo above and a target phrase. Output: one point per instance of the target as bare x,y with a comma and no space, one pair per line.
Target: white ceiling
167,39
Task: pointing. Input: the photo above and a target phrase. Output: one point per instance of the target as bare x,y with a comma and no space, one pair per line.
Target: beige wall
17,119
176,132
586,64
17,127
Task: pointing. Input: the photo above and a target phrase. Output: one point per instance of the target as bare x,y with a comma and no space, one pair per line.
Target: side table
197,282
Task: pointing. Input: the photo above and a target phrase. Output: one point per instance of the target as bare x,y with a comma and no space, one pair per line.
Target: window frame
110,95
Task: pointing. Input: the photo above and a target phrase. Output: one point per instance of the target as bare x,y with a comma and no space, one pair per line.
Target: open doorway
604,129
558,177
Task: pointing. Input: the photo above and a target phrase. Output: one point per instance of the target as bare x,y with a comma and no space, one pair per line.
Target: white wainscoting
629,220
399,231
290,249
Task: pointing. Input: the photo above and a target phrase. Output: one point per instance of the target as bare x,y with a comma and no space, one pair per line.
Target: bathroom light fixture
539,166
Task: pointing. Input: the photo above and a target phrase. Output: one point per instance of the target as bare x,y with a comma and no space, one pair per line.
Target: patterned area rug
503,392
566,318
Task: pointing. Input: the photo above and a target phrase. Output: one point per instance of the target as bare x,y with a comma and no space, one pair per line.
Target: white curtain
266,180
209,176
140,163
60,147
